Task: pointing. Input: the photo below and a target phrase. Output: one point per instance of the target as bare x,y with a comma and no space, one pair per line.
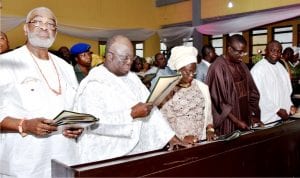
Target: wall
125,14
111,14
217,8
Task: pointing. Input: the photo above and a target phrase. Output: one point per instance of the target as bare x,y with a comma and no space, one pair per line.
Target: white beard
36,41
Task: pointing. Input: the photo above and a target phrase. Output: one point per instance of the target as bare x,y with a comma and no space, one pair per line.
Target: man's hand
256,122
283,114
141,110
242,125
293,110
39,126
72,132
239,123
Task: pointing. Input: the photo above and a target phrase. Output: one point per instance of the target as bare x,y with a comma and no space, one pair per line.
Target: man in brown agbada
233,92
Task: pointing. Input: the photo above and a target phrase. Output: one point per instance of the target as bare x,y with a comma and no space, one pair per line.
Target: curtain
10,22
138,34
171,36
246,22
174,36
100,34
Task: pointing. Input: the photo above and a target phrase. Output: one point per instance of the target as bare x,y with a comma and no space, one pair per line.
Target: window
298,36
217,43
139,49
187,41
163,48
259,41
101,48
239,33
284,35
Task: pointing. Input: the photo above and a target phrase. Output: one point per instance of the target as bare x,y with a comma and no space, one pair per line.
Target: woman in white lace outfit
188,106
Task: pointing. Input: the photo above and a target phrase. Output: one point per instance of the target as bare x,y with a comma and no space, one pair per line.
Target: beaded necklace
57,92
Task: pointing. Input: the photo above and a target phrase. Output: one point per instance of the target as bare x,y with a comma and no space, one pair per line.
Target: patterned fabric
185,111
110,98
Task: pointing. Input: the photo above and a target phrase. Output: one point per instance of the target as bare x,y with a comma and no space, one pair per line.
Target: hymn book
70,118
163,86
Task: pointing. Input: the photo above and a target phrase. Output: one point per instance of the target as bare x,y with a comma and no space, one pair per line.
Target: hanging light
230,4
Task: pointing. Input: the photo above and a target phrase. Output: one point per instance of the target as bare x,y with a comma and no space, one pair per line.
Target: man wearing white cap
188,106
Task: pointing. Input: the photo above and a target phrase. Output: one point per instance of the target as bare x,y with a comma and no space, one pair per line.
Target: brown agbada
232,90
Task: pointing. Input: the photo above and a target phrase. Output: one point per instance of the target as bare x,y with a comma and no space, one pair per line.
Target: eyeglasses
38,23
123,58
239,52
188,73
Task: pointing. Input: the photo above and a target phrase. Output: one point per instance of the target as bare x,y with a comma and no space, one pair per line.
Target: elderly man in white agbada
35,86
116,95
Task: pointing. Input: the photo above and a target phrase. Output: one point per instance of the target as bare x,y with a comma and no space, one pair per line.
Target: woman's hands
175,143
190,139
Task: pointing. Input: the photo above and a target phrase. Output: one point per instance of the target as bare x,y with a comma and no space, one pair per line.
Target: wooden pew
269,152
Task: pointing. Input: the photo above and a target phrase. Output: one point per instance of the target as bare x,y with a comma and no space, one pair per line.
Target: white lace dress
187,111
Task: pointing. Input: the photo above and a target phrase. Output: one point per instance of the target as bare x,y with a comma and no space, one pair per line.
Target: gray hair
38,10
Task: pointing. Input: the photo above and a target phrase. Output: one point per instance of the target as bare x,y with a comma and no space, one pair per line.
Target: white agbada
110,98
25,94
274,86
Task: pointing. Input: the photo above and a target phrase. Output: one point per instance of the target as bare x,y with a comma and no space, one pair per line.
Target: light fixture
230,4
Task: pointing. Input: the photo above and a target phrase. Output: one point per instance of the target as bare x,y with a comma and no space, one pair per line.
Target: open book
162,88
71,118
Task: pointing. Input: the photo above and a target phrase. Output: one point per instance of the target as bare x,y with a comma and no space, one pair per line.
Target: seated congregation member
160,68
274,85
234,95
208,56
291,63
137,65
65,54
147,64
37,86
4,44
83,58
135,126
188,106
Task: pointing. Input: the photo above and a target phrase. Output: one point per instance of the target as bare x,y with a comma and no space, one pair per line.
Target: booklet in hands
163,86
70,118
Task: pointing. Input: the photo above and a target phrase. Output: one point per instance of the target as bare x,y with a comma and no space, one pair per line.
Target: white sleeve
266,104
93,100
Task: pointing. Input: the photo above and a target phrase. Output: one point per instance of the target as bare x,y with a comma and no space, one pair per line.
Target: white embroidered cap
182,56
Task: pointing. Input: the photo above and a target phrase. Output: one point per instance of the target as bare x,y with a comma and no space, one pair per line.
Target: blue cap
79,48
